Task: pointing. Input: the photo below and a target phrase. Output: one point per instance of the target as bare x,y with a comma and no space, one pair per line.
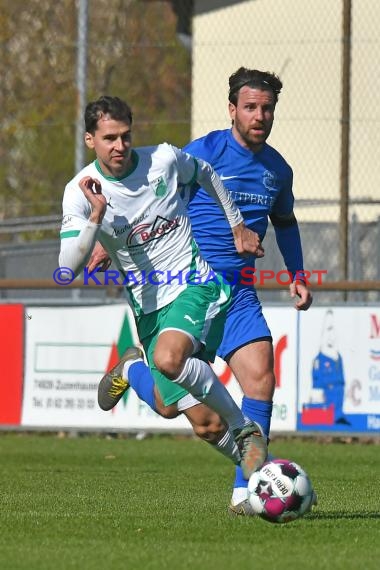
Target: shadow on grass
348,516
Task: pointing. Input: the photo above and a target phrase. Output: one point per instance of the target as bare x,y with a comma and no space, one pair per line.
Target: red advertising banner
12,321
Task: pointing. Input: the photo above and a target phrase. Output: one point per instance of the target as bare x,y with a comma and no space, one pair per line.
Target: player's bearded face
252,117
112,142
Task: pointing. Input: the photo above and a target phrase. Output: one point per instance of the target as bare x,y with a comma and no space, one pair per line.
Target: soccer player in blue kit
260,182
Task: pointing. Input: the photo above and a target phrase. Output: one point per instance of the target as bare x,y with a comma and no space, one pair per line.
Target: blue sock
260,412
141,380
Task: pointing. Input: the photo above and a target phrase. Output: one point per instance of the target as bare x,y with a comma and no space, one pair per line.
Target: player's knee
260,385
168,363
266,377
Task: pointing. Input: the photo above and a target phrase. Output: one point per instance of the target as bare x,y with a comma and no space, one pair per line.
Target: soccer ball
280,491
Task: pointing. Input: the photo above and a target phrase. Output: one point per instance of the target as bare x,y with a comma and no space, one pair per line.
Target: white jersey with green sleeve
145,228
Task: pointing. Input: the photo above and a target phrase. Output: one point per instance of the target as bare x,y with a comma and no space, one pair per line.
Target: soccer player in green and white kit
128,200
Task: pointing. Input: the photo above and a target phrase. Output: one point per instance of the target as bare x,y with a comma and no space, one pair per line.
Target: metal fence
23,266
172,60
327,117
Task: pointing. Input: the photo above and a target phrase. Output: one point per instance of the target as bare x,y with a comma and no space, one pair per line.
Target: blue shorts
245,321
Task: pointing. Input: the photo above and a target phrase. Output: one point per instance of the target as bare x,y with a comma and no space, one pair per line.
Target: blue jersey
260,184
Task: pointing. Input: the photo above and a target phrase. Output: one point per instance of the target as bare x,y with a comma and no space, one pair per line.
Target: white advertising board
282,322
67,352
69,349
339,373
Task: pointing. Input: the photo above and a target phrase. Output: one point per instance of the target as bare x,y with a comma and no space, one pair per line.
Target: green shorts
200,311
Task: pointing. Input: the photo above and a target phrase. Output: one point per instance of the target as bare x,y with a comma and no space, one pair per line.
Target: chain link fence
172,61
327,117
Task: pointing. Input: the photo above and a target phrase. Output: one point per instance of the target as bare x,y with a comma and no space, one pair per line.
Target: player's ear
232,111
89,140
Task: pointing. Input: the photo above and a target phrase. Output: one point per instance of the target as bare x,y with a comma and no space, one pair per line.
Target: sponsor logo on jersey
119,230
145,233
66,220
242,198
120,225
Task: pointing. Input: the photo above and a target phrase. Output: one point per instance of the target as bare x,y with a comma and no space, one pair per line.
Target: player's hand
92,189
247,242
299,289
99,259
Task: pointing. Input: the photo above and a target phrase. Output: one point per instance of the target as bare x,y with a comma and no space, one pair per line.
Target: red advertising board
12,322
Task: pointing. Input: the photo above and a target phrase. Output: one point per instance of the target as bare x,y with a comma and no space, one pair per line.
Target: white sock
127,364
227,446
199,379
239,494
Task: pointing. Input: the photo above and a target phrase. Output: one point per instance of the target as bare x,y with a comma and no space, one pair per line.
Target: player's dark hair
113,106
255,79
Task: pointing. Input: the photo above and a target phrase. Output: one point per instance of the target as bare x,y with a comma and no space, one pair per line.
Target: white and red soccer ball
280,491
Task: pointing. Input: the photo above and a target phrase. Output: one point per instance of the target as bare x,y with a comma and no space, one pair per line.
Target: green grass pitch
90,503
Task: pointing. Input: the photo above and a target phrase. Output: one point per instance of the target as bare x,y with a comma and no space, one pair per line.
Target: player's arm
289,243
81,227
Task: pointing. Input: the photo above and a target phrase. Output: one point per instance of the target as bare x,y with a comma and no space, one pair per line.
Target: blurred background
171,61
